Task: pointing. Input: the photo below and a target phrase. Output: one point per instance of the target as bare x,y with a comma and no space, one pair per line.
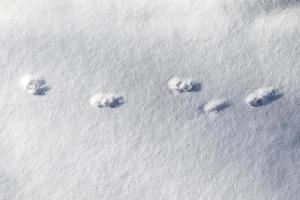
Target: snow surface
157,145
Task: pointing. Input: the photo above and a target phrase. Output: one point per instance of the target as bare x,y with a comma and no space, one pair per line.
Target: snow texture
155,146
106,100
263,96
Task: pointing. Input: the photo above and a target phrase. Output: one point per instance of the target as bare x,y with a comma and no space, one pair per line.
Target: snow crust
157,145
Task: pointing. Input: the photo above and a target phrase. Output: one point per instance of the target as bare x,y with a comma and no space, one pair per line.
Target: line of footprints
260,97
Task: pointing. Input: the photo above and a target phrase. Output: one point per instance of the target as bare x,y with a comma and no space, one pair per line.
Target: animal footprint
183,85
216,105
34,86
263,96
106,100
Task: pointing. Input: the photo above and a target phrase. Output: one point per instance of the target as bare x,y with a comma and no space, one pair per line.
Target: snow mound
183,85
106,100
33,85
216,105
263,96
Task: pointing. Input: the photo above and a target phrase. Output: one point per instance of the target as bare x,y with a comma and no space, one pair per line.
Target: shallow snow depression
216,105
180,85
263,96
106,100
34,85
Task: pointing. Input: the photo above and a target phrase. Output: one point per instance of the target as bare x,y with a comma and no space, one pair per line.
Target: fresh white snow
157,145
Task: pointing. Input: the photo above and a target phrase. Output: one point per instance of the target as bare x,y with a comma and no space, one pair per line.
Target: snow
157,145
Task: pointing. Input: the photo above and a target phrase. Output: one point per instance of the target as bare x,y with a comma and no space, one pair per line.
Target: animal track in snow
183,85
106,100
263,96
216,105
33,85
